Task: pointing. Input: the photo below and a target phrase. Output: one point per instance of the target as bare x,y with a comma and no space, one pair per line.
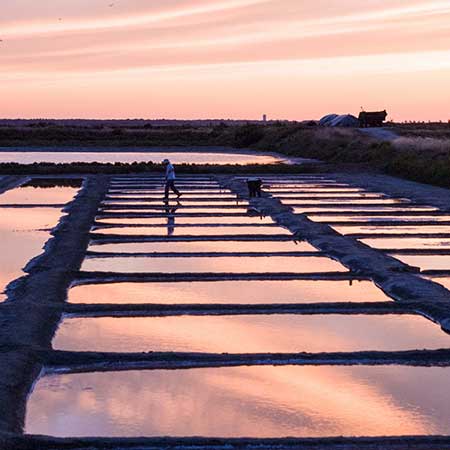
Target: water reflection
160,210
426,262
213,220
250,334
407,243
315,189
228,292
130,157
244,401
170,213
23,233
194,230
381,218
345,201
204,246
227,264
361,208
186,202
394,229
331,195
38,195
144,192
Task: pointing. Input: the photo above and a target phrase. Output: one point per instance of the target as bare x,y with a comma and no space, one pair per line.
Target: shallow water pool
24,232
38,195
172,230
426,262
227,264
130,157
394,229
204,246
248,220
288,333
228,292
244,402
407,243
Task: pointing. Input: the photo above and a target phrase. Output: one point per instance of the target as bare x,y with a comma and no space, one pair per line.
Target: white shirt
170,172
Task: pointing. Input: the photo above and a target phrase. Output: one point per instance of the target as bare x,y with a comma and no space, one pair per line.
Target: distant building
265,118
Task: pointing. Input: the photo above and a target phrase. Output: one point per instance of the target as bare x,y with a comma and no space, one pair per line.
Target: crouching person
254,187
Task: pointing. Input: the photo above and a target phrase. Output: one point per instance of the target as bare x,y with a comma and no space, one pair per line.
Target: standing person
170,180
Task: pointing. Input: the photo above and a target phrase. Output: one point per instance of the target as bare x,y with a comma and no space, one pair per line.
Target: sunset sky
289,59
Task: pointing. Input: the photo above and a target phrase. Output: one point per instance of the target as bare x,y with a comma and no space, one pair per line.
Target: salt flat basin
345,201
27,157
172,230
247,220
372,220
394,229
24,232
405,242
293,178
204,246
160,210
184,177
125,193
331,195
160,181
306,183
182,202
229,292
244,402
187,193
161,186
426,262
317,190
250,334
227,264
188,198
360,208
38,195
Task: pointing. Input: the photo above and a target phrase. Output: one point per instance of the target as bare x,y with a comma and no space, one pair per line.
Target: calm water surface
394,229
130,157
172,230
250,334
204,246
23,235
24,231
244,401
228,264
372,220
38,195
405,242
248,220
361,208
228,292
426,262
